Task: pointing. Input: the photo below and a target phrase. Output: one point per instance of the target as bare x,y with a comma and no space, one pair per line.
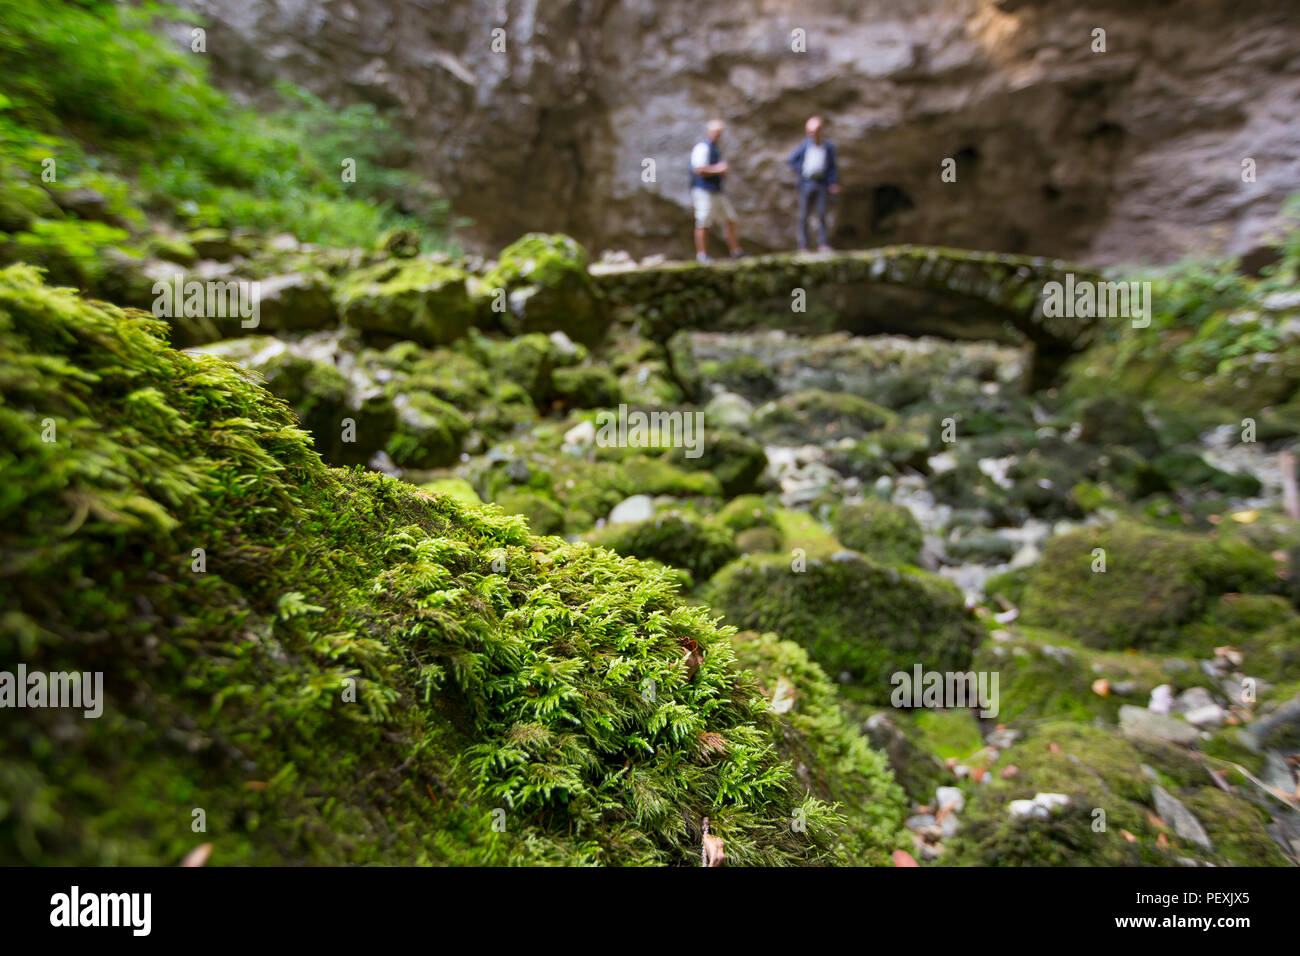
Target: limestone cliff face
1132,153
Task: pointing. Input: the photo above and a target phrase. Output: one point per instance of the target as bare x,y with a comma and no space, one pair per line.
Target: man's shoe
824,248
702,258
737,253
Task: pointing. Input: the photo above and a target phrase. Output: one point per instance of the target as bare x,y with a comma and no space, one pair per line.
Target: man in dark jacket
814,164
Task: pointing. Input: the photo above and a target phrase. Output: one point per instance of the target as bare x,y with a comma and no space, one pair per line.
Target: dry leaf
1157,821
255,785
710,743
1128,836
1101,687
903,858
1009,771
198,856
1054,747
1162,841
692,656
1245,517
711,852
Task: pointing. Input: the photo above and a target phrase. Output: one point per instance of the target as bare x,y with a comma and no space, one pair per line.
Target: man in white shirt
707,171
814,164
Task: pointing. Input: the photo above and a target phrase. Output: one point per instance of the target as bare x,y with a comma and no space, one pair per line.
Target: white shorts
708,205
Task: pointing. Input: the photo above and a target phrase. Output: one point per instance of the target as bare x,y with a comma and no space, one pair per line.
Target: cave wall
1131,154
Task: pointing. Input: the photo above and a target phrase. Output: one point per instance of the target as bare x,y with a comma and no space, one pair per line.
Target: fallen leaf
1245,517
711,743
1162,841
903,858
1157,821
1054,747
692,657
1101,687
1009,771
977,774
255,785
198,856
1128,836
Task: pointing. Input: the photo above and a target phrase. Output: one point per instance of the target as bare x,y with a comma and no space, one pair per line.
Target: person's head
814,128
714,130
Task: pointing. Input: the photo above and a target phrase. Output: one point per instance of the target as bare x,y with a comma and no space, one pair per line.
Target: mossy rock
428,432
527,360
417,299
1100,771
853,614
428,666
812,414
744,375
544,515
735,460
745,512
1187,469
548,288
1155,582
675,538
1111,420
586,386
835,760
980,546
880,530
759,541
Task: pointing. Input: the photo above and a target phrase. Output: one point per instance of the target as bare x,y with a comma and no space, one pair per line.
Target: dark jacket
831,175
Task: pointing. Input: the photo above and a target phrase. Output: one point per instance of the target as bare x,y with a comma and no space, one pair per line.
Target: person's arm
796,158
701,165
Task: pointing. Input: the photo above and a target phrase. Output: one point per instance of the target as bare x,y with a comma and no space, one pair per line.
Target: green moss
548,289
852,614
417,299
544,515
818,736
1155,582
586,386
456,488
759,541
675,538
812,413
1102,775
735,460
428,432
880,530
745,512
497,677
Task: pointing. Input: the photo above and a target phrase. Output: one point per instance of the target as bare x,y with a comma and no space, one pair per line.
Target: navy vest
711,184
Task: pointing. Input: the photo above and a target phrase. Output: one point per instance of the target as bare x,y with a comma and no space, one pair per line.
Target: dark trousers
812,194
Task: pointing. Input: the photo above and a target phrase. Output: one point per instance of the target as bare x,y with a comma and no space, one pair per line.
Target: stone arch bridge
907,290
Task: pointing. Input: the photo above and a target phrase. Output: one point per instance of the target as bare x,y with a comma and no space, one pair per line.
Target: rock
1039,808
949,826
1191,699
1162,699
581,435
634,509
919,821
417,299
1003,738
84,203
1179,817
729,410
950,798
916,769
1205,717
1277,730
296,301
1138,723
548,288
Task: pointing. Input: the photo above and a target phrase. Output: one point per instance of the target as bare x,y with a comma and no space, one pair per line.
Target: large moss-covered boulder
880,530
736,460
418,299
853,614
335,666
546,288
1127,585
813,414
